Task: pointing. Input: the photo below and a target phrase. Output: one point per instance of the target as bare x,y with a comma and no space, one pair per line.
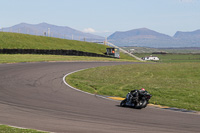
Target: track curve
33,95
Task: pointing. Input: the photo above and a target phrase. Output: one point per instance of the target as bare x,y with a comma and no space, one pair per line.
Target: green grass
174,58
7,129
16,58
171,84
24,41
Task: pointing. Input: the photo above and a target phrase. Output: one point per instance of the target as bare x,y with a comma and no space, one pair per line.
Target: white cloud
89,30
100,33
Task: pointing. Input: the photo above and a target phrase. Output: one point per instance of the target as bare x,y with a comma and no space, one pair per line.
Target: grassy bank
23,41
7,129
171,84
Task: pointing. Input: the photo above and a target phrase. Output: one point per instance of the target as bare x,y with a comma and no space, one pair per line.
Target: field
183,50
171,84
173,58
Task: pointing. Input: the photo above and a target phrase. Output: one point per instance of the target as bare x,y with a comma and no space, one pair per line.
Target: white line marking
81,90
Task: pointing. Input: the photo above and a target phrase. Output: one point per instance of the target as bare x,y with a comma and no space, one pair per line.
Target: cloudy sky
104,17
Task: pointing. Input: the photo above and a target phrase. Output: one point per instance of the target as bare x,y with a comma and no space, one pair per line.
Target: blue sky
104,17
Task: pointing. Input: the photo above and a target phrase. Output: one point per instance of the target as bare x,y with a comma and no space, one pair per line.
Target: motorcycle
138,103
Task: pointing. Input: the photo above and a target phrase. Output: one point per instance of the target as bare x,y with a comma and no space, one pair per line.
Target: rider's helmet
142,89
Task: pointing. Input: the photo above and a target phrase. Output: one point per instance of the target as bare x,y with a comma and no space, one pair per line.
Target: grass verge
16,58
171,84
7,129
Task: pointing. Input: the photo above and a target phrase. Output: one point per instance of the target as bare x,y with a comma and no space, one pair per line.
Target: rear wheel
123,103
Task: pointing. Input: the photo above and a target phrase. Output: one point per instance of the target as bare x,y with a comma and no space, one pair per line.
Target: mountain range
148,38
141,37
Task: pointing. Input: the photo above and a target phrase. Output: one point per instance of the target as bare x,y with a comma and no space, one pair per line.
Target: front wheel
141,104
144,104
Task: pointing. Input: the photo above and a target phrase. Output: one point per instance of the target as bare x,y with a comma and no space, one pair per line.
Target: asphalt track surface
33,95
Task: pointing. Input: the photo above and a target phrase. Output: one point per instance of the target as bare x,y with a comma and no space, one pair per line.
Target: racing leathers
133,96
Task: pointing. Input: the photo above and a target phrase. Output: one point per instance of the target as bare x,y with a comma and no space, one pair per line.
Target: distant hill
138,34
189,39
186,35
149,38
44,29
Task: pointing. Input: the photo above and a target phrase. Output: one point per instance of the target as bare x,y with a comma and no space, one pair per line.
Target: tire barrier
50,52
159,53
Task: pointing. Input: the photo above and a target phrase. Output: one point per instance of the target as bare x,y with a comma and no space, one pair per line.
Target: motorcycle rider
134,95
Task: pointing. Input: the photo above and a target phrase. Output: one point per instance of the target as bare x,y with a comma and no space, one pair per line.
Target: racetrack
33,95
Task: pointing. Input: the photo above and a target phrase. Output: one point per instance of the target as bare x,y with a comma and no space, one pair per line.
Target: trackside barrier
50,52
